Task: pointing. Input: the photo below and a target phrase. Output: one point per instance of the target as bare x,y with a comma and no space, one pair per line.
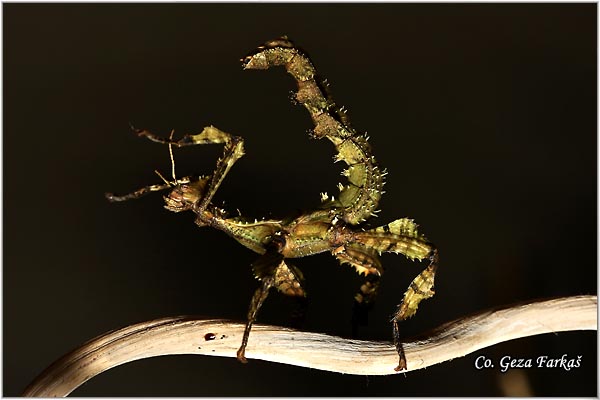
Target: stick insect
337,225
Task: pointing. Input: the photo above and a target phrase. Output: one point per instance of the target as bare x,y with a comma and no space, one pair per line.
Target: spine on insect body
358,199
254,235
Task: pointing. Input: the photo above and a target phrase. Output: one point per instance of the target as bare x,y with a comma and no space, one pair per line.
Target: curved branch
188,335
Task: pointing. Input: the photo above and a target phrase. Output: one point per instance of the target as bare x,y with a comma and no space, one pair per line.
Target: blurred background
483,114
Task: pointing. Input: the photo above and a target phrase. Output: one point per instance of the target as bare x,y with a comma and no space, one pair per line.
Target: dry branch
188,335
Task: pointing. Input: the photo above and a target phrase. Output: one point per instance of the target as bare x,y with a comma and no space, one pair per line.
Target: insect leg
288,281
209,135
402,236
359,198
420,288
272,271
234,150
365,261
144,191
257,301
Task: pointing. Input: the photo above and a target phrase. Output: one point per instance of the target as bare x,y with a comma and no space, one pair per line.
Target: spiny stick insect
336,226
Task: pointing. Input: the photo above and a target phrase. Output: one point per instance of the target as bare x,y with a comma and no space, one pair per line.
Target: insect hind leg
420,288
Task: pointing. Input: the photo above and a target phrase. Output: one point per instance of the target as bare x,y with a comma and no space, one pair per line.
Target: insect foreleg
234,150
144,191
420,288
364,259
209,135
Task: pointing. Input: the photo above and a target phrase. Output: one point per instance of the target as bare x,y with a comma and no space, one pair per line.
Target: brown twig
188,335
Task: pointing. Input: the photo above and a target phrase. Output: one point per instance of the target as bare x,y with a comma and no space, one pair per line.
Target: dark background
484,116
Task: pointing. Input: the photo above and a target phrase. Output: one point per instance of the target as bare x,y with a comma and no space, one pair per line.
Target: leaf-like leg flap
400,236
364,259
288,280
420,288
264,267
272,271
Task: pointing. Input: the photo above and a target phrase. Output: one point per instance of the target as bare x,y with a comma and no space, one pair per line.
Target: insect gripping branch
337,225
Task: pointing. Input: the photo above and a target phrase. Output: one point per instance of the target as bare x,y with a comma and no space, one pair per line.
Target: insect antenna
171,155
174,182
163,178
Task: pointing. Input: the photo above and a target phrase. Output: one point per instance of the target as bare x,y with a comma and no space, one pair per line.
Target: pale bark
188,335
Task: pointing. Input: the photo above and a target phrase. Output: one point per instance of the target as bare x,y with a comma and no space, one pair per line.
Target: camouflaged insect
334,226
